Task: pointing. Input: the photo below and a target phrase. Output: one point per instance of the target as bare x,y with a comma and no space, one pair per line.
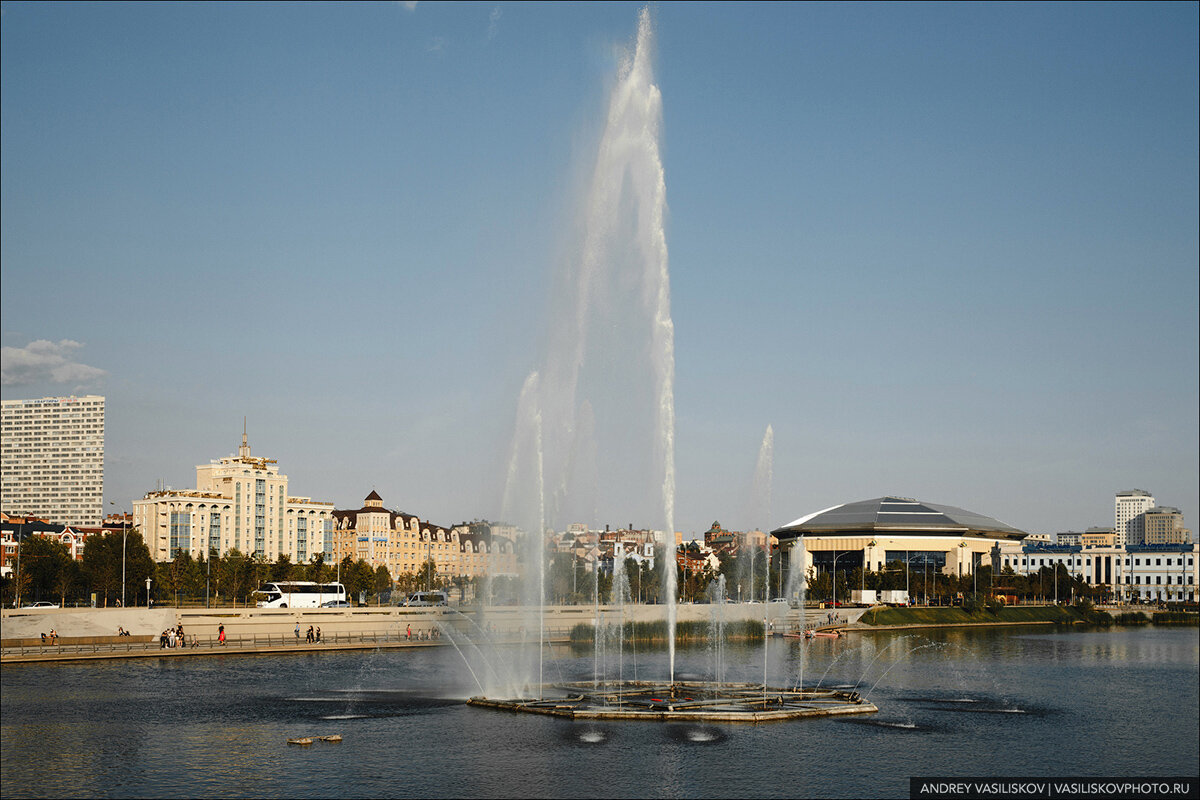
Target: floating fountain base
683,701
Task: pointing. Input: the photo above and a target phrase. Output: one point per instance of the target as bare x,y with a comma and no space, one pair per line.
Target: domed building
925,536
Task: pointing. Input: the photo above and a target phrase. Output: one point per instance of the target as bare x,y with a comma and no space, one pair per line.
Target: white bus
300,594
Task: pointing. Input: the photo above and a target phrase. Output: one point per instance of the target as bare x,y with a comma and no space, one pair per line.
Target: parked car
336,604
41,604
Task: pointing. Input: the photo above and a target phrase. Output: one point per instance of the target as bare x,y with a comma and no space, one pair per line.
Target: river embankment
92,632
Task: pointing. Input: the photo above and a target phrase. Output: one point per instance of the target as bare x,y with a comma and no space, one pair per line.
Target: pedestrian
221,635
318,634
297,632
408,632
308,635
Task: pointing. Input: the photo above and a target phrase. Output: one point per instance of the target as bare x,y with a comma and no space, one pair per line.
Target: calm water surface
1002,702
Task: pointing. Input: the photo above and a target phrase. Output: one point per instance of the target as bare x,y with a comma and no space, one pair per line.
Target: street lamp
836,556
123,537
864,567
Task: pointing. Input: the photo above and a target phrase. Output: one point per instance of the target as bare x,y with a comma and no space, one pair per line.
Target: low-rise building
1164,573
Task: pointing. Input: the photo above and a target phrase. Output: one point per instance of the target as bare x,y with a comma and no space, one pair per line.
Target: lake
1006,702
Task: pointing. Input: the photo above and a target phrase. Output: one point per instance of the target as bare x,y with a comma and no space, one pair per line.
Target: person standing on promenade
318,634
297,632
408,632
221,634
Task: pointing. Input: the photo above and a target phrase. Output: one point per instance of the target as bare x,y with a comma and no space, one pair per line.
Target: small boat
304,740
830,634
337,737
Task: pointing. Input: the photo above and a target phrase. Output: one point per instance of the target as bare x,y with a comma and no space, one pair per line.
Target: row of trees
931,586
116,565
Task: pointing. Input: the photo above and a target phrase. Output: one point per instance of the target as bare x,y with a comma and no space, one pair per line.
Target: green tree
382,582
139,564
234,575
317,570
44,559
282,569
102,565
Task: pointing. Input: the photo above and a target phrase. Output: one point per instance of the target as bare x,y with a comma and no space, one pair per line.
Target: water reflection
217,727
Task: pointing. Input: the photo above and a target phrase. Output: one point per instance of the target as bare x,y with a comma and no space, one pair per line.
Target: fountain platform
682,701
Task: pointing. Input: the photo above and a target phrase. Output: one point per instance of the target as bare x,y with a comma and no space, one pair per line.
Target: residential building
1068,537
1129,524
1164,525
239,503
19,529
52,459
403,543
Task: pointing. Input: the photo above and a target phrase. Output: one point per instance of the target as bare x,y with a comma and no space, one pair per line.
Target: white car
42,604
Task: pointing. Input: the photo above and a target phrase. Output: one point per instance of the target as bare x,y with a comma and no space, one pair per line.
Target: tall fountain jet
607,387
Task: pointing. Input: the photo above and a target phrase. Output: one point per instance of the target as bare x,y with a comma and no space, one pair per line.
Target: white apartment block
52,459
1130,527
239,503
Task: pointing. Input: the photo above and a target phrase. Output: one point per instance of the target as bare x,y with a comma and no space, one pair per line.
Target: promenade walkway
69,649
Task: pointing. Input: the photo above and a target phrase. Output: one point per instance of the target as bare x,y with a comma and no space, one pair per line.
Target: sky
945,251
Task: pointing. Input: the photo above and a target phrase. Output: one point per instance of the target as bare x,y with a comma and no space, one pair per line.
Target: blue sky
946,251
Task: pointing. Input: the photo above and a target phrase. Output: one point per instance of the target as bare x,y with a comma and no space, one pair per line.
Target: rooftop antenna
244,450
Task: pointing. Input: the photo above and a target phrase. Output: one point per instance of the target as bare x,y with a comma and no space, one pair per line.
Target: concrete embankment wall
70,622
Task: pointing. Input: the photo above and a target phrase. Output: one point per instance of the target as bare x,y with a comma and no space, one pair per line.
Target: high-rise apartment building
239,503
1130,527
52,459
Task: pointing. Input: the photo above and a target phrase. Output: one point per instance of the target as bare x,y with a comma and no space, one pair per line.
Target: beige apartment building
240,502
403,543
52,459
1164,525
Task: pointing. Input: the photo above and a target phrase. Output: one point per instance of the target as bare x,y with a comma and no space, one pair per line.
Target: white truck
870,597
863,597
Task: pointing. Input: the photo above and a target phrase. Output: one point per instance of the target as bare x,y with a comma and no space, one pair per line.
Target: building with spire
240,503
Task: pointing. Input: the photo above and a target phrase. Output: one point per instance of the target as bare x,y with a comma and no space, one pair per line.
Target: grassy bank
656,631
1061,615
1058,615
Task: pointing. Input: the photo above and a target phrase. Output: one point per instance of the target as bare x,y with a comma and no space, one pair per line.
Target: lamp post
864,567
20,536
123,537
836,556
147,592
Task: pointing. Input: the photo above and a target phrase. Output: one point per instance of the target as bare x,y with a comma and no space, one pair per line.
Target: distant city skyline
947,252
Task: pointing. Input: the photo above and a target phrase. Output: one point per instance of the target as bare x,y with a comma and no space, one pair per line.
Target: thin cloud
44,361
493,22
